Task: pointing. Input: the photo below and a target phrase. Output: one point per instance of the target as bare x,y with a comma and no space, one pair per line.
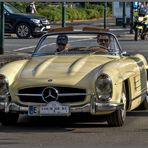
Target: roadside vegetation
79,12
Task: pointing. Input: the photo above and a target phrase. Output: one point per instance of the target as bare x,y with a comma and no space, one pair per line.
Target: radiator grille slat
67,97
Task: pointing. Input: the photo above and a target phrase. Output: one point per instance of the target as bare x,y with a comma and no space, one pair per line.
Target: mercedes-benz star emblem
49,94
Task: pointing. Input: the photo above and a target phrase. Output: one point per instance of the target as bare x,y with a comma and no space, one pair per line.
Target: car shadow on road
137,113
55,124
74,123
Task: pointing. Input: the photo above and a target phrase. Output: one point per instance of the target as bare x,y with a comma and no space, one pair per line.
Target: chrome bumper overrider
93,108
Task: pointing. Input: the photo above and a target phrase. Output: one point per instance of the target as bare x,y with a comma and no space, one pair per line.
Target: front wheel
117,118
145,36
23,31
9,118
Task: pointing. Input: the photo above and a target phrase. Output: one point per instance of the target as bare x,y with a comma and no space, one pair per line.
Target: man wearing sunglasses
103,40
62,43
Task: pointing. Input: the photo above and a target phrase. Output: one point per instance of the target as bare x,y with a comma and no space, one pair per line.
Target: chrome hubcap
23,30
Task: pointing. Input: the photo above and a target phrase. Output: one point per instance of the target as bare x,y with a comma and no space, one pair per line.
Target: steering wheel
98,49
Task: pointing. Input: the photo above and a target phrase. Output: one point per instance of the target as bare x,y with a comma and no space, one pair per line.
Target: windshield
78,43
10,8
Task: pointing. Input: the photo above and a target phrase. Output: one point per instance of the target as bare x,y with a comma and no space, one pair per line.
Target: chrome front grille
65,95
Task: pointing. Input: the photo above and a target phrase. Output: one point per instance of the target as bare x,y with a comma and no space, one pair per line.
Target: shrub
82,13
92,13
54,13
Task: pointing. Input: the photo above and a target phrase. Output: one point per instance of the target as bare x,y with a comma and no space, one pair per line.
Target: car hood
60,67
29,16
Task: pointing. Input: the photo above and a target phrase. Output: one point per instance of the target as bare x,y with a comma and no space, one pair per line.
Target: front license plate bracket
53,108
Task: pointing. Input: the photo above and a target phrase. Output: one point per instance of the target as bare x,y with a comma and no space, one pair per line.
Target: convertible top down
87,77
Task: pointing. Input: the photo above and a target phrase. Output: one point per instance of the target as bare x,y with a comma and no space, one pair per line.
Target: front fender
11,70
119,71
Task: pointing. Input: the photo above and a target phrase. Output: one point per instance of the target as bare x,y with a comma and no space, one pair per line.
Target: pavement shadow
55,124
125,39
139,113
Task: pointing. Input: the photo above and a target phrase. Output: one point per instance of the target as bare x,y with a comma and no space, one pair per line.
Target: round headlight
3,85
103,87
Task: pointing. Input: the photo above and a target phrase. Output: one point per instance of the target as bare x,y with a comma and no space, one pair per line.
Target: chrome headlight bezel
4,85
103,86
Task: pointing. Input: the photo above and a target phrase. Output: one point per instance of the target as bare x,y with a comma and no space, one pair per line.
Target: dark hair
62,39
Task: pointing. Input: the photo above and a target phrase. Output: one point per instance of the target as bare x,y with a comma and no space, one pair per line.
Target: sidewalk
12,56
119,31
92,22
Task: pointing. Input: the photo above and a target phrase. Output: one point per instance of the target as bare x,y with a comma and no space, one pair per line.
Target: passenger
62,43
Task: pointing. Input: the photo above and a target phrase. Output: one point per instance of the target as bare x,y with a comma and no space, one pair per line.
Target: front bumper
94,108
41,30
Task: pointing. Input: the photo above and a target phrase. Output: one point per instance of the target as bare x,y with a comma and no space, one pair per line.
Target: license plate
51,109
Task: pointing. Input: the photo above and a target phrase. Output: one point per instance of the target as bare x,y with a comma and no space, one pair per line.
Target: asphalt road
81,132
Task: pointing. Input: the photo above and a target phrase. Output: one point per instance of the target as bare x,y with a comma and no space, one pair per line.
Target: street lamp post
131,18
63,14
1,27
124,15
105,7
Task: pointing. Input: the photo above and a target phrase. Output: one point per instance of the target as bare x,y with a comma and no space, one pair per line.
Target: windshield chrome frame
77,32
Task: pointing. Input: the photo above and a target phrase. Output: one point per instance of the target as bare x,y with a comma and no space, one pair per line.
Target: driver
103,40
62,43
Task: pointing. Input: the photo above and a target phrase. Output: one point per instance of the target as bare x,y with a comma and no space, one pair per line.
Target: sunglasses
103,40
62,44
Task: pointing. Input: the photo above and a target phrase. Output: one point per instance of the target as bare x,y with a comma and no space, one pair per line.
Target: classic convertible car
87,77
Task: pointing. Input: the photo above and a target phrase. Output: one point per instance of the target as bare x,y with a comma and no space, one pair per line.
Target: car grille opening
67,95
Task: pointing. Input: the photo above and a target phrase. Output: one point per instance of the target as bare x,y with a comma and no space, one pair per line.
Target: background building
117,12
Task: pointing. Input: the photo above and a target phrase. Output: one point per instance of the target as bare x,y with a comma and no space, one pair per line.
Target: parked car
80,79
24,25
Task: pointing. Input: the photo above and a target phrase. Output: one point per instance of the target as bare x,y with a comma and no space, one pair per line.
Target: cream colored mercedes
74,72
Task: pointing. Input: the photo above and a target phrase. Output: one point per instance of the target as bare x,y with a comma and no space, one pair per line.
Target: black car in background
24,25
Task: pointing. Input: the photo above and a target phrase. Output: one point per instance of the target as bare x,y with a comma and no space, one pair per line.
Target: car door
138,82
141,81
9,22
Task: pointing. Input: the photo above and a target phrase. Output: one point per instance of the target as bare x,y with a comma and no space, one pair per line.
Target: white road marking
116,29
120,29
24,48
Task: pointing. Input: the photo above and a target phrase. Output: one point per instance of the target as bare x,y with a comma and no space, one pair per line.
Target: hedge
53,12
